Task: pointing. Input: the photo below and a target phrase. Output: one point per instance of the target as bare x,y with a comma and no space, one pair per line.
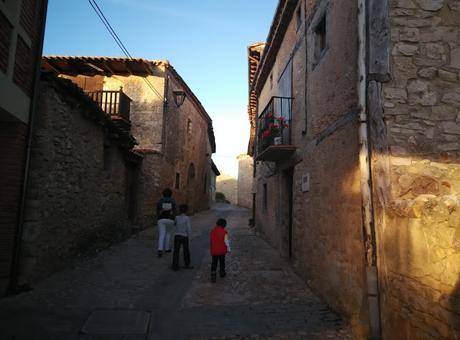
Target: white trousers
165,227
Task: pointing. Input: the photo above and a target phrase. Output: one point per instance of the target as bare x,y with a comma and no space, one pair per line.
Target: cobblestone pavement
260,298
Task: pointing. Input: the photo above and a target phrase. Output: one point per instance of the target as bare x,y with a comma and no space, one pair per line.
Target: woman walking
166,208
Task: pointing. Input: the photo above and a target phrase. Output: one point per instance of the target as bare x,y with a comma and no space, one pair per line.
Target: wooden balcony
274,131
116,104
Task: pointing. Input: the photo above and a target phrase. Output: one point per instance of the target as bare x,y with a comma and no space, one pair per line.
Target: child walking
181,238
220,245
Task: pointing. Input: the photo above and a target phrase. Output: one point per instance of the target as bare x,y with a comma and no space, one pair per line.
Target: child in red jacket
220,245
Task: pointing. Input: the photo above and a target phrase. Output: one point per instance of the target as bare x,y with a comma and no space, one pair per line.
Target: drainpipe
13,285
366,185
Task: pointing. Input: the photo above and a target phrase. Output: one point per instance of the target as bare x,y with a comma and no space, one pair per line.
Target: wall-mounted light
179,97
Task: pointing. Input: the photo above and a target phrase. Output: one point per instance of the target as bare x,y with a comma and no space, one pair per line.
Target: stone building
357,151
173,130
228,185
213,183
21,40
245,181
82,181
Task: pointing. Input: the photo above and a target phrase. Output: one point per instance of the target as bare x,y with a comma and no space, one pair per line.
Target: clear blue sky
205,40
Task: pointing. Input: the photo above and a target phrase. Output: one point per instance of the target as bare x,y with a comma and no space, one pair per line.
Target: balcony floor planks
276,153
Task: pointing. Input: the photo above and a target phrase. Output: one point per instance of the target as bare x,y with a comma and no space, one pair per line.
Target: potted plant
272,133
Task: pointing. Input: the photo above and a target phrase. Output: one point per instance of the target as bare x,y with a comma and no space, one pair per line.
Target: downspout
165,111
13,285
366,185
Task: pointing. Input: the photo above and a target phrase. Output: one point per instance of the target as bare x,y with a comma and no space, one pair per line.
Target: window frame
321,19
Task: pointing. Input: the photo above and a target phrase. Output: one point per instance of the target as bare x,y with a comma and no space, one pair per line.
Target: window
264,198
271,80
5,41
189,126
320,38
177,183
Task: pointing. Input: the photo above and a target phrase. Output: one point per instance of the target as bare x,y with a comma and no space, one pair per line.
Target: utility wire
118,41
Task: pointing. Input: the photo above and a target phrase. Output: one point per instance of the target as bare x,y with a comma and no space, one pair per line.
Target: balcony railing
274,130
113,103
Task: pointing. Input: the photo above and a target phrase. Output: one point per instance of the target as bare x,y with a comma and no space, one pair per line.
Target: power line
118,41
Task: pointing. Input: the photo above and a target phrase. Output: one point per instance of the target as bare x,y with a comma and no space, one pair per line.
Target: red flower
266,134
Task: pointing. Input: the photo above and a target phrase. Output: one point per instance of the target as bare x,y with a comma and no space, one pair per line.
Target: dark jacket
166,208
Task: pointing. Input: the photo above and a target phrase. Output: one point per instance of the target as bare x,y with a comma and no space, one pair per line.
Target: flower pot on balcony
277,140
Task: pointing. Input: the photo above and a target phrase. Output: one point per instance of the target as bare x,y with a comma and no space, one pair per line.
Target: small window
320,38
271,80
298,16
264,198
189,126
177,183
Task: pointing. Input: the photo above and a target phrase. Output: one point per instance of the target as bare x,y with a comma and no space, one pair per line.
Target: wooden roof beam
50,64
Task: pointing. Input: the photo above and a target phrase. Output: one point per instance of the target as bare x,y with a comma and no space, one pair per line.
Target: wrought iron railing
274,123
114,103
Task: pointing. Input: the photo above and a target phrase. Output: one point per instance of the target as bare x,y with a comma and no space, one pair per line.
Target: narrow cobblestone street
261,297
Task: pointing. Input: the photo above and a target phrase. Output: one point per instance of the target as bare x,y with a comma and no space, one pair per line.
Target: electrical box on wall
306,182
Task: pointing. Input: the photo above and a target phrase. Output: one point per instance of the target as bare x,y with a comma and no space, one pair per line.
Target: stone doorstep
117,322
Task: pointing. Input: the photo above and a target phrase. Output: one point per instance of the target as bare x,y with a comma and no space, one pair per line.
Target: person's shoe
213,277
159,253
174,268
188,267
222,274
168,251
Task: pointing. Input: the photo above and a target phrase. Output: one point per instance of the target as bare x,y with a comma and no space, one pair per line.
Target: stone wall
228,185
146,113
150,188
245,180
77,184
418,198
186,149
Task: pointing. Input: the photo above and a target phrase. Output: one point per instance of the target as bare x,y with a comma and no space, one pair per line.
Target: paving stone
260,298
117,322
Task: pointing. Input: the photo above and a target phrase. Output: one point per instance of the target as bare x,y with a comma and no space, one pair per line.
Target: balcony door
285,90
285,81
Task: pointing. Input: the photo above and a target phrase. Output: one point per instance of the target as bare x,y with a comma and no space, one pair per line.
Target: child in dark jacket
219,245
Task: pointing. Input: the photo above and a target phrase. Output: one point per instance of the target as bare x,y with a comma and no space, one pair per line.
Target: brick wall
327,246
12,146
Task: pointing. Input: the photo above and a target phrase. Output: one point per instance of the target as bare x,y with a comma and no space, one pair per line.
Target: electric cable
118,41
